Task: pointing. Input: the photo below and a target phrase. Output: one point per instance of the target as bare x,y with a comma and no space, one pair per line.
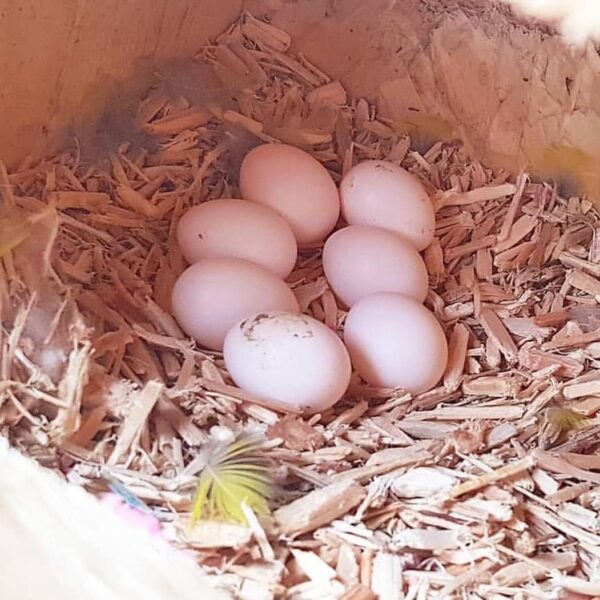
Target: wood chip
580,390
498,333
319,507
584,282
492,477
409,456
178,121
535,360
568,493
387,576
571,341
213,534
449,413
523,227
136,202
469,248
480,195
556,464
495,387
513,209
520,572
142,404
359,592
457,350
233,392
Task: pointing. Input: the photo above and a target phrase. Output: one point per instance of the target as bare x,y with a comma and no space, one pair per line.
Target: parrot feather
15,228
235,473
565,419
565,163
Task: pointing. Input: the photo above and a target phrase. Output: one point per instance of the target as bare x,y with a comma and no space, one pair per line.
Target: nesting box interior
115,117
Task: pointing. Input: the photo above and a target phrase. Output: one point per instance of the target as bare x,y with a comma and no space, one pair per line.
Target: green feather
236,473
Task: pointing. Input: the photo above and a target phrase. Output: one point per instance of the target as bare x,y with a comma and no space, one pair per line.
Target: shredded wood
469,490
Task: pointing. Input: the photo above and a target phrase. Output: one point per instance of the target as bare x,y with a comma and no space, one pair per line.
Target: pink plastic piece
135,517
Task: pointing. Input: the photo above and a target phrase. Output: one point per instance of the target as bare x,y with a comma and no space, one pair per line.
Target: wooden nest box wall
98,383
508,88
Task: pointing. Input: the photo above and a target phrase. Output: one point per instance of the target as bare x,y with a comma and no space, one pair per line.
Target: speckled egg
288,359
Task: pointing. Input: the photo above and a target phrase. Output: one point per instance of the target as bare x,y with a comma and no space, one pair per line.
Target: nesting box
116,116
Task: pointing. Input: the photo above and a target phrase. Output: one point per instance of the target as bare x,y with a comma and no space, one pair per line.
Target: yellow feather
14,229
425,128
562,162
565,419
235,473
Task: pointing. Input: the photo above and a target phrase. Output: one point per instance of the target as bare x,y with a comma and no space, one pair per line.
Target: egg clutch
234,298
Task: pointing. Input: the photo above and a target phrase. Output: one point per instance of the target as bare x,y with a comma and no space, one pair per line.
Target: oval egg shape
396,342
295,185
360,260
212,295
288,359
382,194
232,228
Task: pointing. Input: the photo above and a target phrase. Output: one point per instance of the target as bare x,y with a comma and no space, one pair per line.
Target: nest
486,485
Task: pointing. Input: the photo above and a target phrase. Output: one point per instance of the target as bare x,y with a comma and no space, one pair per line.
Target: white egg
360,260
238,229
210,296
382,194
294,184
289,359
395,342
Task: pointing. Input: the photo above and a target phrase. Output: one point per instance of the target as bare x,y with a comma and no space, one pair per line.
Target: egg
395,342
289,359
212,295
360,260
380,193
294,184
237,229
